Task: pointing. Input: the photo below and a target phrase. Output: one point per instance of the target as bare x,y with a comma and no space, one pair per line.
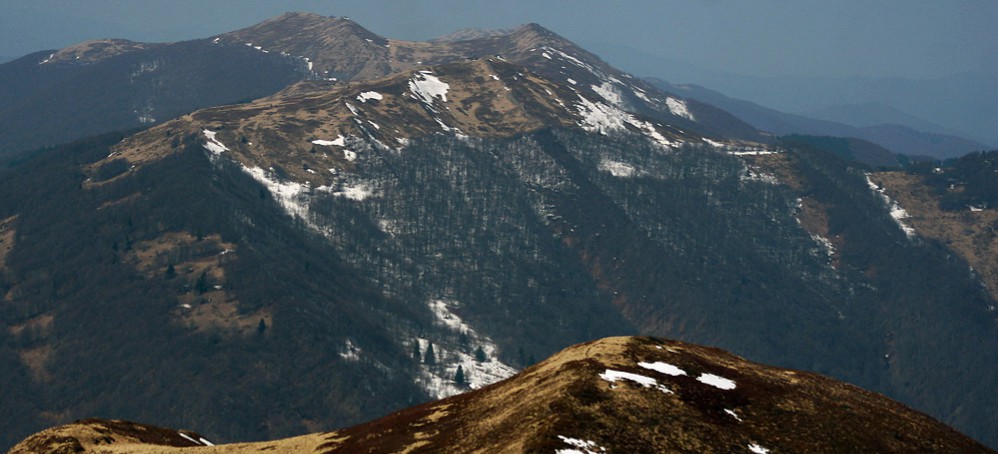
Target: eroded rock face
623,394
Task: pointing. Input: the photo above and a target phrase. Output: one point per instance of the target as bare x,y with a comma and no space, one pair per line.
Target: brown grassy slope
485,98
970,234
565,403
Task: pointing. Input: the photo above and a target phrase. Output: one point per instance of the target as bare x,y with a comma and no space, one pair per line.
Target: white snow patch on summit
426,86
757,449
678,107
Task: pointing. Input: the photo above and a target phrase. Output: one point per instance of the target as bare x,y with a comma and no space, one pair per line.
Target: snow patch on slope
604,119
350,351
614,376
213,145
357,192
616,168
897,213
583,446
363,97
438,379
428,87
716,381
571,59
641,94
447,318
289,195
340,141
609,92
679,108
753,174
825,243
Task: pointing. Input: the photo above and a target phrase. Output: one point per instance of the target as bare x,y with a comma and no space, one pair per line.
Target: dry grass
183,249
782,410
40,324
486,98
783,166
969,234
36,359
213,310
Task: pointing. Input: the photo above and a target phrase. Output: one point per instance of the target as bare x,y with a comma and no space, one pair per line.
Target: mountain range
876,123
614,395
336,248
954,105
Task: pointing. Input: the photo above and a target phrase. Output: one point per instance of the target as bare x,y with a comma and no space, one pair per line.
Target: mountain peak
301,15
328,47
534,35
533,27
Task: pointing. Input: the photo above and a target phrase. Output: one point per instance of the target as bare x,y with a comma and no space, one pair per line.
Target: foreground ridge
622,394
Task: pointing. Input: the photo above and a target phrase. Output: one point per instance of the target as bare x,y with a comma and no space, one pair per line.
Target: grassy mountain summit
621,394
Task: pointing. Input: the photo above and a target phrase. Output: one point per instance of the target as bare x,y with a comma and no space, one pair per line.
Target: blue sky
874,38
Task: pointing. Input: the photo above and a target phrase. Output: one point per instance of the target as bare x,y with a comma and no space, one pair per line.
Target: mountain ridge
481,98
151,83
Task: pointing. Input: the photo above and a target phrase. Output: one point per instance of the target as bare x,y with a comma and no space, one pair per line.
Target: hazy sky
880,38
